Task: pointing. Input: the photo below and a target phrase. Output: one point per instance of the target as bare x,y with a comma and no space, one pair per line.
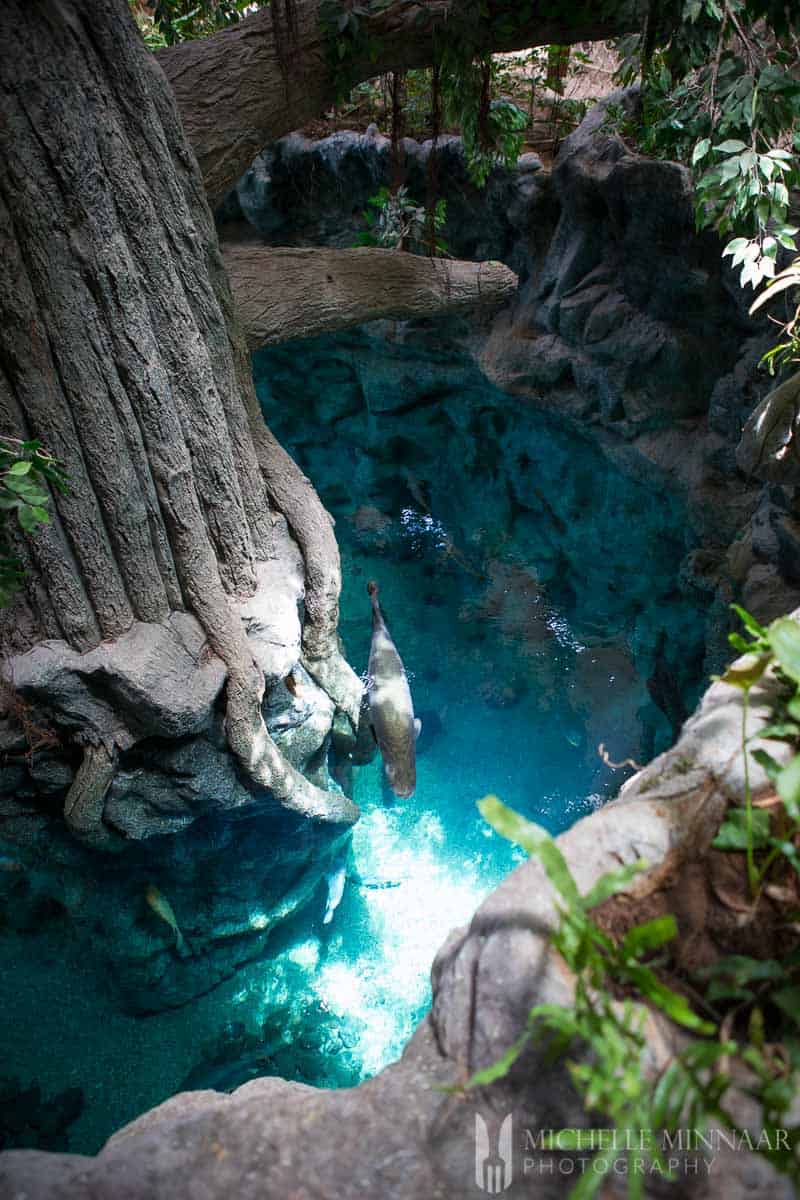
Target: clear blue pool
532,589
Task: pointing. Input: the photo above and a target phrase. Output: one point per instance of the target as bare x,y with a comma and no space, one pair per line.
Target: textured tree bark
294,293
119,352
247,86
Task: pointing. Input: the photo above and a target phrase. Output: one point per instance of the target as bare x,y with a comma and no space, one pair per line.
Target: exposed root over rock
83,807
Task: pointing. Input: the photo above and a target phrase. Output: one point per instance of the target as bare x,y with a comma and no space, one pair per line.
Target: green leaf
613,882
27,519
649,936
672,1003
701,150
771,767
785,280
734,246
785,239
731,147
25,488
499,1069
749,622
784,638
779,730
788,1000
733,830
20,468
745,677
537,842
787,785
729,169
741,969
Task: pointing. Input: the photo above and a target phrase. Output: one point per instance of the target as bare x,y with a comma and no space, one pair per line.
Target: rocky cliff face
627,327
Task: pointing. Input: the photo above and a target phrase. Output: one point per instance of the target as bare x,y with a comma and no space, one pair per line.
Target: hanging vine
284,30
492,130
398,96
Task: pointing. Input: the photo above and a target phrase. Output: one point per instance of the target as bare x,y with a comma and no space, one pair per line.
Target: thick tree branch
291,293
243,87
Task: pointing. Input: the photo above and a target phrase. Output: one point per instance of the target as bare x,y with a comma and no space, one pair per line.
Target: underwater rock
503,692
33,1121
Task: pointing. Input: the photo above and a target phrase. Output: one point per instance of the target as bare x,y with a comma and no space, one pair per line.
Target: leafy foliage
165,22
787,284
396,222
776,645
723,96
612,1075
25,471
492,130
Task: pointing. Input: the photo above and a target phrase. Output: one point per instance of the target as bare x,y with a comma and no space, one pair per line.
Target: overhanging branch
243,87
293,293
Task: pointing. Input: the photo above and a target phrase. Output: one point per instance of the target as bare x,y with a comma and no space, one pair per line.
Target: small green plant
787,351
723,96
744,189
612,1075
748,828
396,222
25,471
165,22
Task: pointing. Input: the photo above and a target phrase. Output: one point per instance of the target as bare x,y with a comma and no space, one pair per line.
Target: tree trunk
290,293
270,74
118,351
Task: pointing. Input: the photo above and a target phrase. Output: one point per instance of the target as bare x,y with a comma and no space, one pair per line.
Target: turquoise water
532,589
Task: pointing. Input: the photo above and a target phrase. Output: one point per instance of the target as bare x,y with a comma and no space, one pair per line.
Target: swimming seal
390,706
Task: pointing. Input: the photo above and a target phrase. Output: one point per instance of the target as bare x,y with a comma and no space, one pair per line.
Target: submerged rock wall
627,326
547,545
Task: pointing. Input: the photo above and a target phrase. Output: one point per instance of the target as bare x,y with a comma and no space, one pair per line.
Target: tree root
264,764
83,807
339,681
311,525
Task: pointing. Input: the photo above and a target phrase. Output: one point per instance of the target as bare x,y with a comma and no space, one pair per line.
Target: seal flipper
417,727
